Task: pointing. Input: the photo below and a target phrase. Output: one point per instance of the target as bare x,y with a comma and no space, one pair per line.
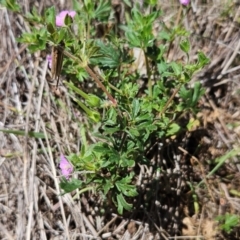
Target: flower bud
94,116
93,100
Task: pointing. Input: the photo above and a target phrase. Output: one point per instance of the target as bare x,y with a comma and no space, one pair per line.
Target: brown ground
29,184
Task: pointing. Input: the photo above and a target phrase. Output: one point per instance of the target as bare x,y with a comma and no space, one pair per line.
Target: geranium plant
127,115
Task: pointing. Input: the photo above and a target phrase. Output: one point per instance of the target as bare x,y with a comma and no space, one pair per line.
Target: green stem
77,90
94,76
221,161
170,99
91,73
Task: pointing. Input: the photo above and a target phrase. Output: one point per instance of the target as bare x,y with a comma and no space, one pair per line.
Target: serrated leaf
122,204
111,55
133,39
173,129
102,10
34,17
50,16
107,185
162,67
184,93
127,189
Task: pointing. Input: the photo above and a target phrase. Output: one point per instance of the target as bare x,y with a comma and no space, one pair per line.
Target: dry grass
30,203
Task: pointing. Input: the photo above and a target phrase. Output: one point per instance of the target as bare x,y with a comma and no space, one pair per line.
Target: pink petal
61,16
65,166
185,2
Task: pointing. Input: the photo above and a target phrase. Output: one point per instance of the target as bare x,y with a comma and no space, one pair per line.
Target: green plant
136,113
229,221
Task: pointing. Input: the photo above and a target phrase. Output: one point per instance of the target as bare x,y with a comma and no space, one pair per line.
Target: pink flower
61,16
184,2
65,166
49,59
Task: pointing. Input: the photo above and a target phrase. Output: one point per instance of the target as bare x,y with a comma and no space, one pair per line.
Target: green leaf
184,93
112,115
135,107
104,149
164,35
177,68
185,46
122,204
103,9
173,129
193,124
134,39
69,186
61,35
197,93
37,39
11,5
113,160
34,17
202,59
126,189
134,132
110,55
111,130
230,221
50,16
145,116
76,5
107,185
162,67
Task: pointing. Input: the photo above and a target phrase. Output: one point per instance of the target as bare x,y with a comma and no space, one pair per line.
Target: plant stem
170,99
91,73
94,76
